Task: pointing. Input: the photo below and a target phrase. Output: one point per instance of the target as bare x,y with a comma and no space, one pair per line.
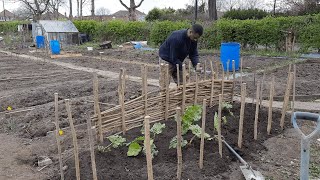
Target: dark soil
116,165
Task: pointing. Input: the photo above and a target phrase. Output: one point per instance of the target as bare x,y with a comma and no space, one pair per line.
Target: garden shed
63,31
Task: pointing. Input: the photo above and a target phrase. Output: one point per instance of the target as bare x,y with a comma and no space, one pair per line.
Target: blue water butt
228,52
55,47
40,42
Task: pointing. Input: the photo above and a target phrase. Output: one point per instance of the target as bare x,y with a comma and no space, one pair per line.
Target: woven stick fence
158,106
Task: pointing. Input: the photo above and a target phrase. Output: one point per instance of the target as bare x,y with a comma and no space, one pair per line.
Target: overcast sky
114,5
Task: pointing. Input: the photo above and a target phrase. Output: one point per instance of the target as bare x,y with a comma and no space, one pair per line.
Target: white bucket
90,48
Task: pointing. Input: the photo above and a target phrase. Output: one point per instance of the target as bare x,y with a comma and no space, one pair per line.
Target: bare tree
54,6
37,7
82,3
227,5
23,12
132,9
251,4
212,7
102,11
70,9
92,8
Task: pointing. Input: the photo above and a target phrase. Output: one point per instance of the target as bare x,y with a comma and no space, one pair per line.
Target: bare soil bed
116,165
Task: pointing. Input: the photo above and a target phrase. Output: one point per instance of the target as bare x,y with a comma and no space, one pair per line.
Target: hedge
268,32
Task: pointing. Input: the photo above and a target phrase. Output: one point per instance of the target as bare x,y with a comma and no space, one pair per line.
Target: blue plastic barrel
55,47
228,52
40,42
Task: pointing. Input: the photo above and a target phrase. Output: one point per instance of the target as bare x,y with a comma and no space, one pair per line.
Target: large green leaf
117,141
134,149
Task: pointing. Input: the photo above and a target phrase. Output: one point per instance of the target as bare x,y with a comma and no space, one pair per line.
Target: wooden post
97,105
217,66
189,80
261,90
222,85
228,74
204,105
286,99
270,105
219,124
167,92
212,90
145,84
162,77
184,81
56,111
178,77
148,146
179,138
294,87
233,69
121,99
92,155
74,138
243,99
211,68
257,112
196,90
205,70
241,70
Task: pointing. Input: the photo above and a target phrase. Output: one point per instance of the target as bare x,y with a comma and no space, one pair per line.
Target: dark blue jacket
177,47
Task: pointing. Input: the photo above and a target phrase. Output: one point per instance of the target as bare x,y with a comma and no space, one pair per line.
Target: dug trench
116,165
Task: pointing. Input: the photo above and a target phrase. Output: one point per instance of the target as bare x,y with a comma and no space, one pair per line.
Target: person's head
195,32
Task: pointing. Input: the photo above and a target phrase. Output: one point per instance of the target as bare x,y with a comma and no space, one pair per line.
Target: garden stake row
270,105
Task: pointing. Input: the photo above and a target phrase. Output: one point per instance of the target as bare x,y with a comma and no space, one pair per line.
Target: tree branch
138,4
124,5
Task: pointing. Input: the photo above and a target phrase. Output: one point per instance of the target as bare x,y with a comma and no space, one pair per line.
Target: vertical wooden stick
241,61
294,87
196,90
286,99
261,90
257,112
184,83
148,146
145,84
190,66
74,138
178,77
212,91
219,124
228,74
243,99
217,66
233,79
162,77
211,68
92,155
121,100
167,92
270,105
179,138
223,73
204,105
97,105
205,70
56,111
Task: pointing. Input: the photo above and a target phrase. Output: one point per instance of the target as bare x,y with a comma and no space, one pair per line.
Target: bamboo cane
56,105
270,106
204,105
243,98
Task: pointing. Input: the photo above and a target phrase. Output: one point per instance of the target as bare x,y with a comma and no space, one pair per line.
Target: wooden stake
228,74
205,70
97,105
243,99
167,92
56,111
162,77
121,99
190,66
92,155
178,77
241,70
217,65
219,124
270,105
257,112
233,70
294,87
148,146
145,84
286,99
179,139
261,90
212,91
74,138
211,68
196,90
204,105
184,88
